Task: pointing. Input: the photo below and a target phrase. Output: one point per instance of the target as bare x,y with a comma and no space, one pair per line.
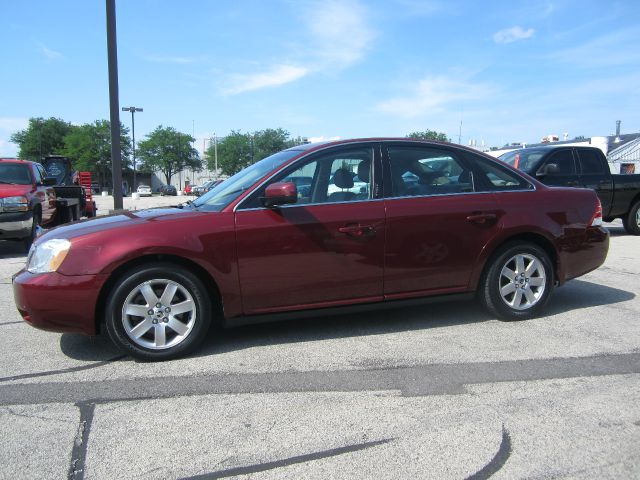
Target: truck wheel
518,281
36,219
158,312
632,221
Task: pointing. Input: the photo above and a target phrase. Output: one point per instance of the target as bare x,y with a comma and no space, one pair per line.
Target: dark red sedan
426,220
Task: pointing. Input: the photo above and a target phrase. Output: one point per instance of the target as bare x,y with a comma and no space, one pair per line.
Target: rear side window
496,178
590,162
417,171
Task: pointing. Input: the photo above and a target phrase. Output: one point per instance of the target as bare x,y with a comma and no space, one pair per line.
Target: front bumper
15,225
58,303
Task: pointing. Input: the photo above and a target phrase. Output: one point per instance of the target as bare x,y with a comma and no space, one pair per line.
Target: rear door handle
482,218
356,230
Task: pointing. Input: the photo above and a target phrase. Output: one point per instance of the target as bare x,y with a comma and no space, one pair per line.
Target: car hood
123,220
13,190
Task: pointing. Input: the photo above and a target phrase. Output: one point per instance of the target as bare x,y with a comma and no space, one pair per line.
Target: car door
327,249
437,226
593,175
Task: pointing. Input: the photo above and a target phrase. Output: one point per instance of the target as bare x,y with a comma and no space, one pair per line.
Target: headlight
47,256
15,204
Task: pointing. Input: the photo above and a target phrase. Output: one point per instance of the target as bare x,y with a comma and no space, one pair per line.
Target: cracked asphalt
439,391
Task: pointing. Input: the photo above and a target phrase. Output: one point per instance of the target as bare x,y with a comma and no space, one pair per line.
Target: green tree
42,137
234,153
169,151
429,135
89,147
239,150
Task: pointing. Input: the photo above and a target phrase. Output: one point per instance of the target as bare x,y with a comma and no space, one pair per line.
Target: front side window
427,171
226,192
564,160
342,176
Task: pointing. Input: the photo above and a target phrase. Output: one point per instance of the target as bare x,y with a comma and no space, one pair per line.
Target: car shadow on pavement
12,249
574,295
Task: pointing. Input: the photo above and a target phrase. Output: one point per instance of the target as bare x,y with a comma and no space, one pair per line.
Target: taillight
596,218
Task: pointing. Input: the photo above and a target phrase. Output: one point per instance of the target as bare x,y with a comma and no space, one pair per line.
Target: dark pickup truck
577,166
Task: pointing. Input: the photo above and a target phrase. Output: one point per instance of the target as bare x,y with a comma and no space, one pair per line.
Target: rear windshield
14,173
525,160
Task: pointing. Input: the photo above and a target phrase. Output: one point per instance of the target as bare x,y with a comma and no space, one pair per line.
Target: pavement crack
10,411
77,465
263,467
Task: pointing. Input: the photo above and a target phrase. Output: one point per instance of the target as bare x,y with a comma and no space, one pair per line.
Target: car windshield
524,160
14,173
226,192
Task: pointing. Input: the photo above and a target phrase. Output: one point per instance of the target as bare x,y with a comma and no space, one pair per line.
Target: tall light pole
133,135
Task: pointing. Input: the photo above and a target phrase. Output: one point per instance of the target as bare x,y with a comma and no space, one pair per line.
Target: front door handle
357,230
481,218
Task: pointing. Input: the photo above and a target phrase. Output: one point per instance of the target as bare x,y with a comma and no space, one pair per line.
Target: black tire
526,294
631,221
141,336
36,220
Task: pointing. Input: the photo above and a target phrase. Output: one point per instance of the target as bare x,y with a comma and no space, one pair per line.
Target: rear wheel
631,221
518,281
158,312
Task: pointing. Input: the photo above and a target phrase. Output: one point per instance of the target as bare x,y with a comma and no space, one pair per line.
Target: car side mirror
49,181
279,193
548,169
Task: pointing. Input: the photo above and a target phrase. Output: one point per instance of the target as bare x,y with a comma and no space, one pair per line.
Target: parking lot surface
438,391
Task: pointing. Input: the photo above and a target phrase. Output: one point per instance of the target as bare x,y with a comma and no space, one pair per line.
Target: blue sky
508,70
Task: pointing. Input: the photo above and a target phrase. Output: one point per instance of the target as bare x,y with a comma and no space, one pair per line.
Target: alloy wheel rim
159,314
522,281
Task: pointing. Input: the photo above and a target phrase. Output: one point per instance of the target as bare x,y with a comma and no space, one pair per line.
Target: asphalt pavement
439,391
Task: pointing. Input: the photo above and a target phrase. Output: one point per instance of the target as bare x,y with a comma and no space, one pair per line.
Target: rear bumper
584,256
58,303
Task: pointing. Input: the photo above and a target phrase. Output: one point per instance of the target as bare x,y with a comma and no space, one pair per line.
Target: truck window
564,160
590,162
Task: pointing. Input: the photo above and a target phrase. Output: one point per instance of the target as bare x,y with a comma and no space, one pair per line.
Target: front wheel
631,221
518,281
158,312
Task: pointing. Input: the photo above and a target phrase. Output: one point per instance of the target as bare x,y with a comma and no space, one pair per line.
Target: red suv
27,199
435,221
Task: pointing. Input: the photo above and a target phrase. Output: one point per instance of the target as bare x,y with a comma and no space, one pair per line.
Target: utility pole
133,135
112,55
460,134
215,152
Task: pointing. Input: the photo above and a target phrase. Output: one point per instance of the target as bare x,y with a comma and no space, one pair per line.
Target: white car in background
144,190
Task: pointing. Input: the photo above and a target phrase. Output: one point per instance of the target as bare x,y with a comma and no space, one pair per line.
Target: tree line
165,149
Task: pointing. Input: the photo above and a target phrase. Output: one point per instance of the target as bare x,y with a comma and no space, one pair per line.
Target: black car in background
168,190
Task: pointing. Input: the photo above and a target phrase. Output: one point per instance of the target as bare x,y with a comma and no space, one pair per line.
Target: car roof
16,160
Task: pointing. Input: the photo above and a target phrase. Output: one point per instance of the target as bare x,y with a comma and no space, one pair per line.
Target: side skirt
319,312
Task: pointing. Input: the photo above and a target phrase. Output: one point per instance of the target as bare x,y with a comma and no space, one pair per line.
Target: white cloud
339,31
513,34
322,138
433,93
339,36
48,53
276,76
